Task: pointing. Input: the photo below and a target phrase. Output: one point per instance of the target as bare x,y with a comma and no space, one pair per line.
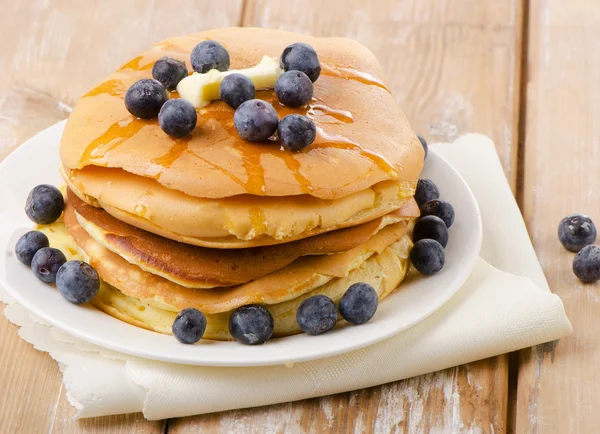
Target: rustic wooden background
524,72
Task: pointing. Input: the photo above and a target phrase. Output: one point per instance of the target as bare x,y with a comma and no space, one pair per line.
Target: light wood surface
455,67
558,383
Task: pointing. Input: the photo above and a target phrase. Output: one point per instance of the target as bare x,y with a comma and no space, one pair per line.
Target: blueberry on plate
44,204
427,256
426,191
359,303
294,88
189,326
439,208
296,132
301,57
431,227
255,120
29,244
177,118
576,231
145,97
236,89
77,282
46,262
586,264
169,72
317,315
251,325
209,55
424,144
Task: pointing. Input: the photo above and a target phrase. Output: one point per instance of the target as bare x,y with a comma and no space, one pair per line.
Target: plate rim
276,358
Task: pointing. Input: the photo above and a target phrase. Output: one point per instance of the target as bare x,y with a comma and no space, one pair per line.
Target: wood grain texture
454,68
559,382
51,52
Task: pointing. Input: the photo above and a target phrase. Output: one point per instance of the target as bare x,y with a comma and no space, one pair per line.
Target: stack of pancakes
213,222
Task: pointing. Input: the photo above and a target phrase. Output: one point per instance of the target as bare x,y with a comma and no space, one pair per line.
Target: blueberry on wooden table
439,208
427,256
431,227
251,325
46,262
236,89
255,120
317,315
294,89
29,244
576,231
45,204
177,118
296,132
359,303
209,55
426,191
301,57
77,282
169,72
145,97
586,264
189,326
424,144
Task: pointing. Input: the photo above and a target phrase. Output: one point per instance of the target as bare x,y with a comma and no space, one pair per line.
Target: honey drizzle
117,134
174,153
325,140
353,74
339,115
111,87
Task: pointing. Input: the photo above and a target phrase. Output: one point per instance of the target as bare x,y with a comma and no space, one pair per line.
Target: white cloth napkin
493,313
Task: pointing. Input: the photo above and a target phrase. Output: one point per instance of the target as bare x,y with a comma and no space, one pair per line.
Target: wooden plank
454,67
559,382
51,53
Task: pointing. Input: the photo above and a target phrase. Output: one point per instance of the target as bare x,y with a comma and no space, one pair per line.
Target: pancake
199,267
301,276
230,223
384,271
363,138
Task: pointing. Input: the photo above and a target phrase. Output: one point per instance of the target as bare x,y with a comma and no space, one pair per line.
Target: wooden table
524,72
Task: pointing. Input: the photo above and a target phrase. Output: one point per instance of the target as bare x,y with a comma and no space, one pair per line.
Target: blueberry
427,256
255,120
586,264
317,315
209,55
359,303
301,57
189,326
251,325
424,144
46,262
439,208
294,88
236,89
77,282
44,204
576,231
29,244
177,118
296,132
169,72
431,227
426,191
145,98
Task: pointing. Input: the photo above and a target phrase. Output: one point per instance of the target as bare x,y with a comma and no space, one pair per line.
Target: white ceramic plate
37,162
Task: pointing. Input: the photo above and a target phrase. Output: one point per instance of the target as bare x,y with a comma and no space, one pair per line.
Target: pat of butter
201,89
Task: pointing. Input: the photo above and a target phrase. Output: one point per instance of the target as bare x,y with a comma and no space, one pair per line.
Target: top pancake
357,145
